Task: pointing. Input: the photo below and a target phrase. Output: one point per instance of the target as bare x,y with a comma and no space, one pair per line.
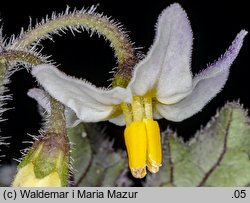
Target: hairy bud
46,165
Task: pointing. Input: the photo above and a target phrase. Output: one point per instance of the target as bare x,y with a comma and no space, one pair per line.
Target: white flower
162,85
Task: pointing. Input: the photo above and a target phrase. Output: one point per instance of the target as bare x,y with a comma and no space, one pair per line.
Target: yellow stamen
136,143
142,137
148,108
137,109
154,152
126,108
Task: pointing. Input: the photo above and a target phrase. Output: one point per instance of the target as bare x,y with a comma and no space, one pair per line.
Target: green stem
120,42
26,57
16,56
57,123
57,119
3,69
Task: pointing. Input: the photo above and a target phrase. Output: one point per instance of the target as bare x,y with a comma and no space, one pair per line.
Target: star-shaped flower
162,86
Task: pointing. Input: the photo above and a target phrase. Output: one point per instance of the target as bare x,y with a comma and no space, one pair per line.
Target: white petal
119,120
205,86
41,97
43,100
90,104
166,67
156,114
71,118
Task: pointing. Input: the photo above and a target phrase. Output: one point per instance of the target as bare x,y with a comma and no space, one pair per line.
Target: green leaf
95,162
218,155
80,150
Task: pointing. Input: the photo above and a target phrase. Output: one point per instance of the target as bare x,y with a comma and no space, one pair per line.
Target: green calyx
48,155
120,81
124,73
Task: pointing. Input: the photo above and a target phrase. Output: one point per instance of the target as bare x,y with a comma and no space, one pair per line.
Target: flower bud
46,164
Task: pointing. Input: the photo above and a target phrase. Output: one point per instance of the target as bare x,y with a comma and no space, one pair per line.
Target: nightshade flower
162,86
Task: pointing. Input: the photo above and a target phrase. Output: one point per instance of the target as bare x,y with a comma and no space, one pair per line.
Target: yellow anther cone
154,152
136,143
143,142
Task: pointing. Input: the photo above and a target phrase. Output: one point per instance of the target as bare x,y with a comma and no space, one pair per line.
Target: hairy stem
57,123
119,41
3,69
20,56
5,58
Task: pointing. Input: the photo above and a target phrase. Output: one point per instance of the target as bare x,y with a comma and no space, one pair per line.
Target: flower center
141,108
142,137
